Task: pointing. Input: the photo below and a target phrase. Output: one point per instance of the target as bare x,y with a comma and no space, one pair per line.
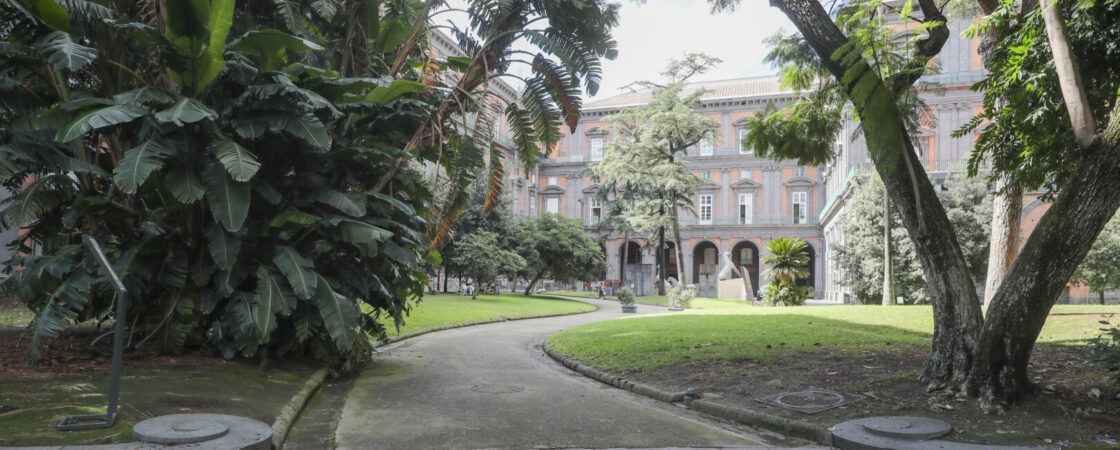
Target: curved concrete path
490,386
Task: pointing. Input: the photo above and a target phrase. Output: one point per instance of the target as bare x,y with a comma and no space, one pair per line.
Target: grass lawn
440,310
14,314
765,334
661,300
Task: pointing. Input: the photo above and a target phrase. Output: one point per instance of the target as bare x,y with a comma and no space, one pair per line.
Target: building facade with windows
743,202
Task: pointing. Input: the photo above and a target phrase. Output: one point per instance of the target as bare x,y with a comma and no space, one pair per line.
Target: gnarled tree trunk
1007,207
955,304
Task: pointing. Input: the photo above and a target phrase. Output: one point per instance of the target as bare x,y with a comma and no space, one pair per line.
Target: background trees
483,260
556,248
1101,267
250,169
968,205
648,157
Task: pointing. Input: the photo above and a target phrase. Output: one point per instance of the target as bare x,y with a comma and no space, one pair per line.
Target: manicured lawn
13,313
441,310
697,302
764,334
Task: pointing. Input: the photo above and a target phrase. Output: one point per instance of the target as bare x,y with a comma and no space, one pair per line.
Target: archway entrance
745,254
671,261
637,277
812,267
705,269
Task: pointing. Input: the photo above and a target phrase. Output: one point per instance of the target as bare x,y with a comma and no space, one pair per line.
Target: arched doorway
812,267
705,269
745,254
630,263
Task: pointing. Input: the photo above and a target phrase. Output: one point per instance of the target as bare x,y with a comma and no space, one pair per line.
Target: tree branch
925,49
1069,77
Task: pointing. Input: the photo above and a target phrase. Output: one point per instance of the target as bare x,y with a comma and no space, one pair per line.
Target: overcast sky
649,34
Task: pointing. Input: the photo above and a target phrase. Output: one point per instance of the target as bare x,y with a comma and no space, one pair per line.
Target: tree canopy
556,248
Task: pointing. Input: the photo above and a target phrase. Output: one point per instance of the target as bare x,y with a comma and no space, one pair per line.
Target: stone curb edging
395,339
795,428
290,412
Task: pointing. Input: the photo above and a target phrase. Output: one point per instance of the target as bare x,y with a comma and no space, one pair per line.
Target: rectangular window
597,148
707,146
706,174
746,208
798,171
743,148
596,206
800,207
532,205
552,205
745,175
705,209
552,181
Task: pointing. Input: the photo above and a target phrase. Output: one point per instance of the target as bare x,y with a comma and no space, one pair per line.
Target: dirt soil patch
1062,414
73,378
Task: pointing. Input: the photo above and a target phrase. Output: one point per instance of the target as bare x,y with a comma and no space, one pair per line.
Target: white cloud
650,34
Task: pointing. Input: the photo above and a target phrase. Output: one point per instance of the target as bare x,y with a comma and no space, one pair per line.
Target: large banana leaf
63,52
212,63
339,201
361,232
228,199
297,270
184,184
272,298
186,110
270,46
223,246
138,163
50,12
240,164
340,315
99,118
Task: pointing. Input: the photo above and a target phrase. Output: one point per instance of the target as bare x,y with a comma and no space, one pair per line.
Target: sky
649,33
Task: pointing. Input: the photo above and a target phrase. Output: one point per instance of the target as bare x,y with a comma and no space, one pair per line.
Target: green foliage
1101,267
556,248
788,261
968,205
1105,348
1025,129
483,260
625,295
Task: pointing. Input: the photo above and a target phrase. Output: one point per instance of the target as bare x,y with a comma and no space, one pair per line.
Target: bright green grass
661,300
649,342
442,310
15,315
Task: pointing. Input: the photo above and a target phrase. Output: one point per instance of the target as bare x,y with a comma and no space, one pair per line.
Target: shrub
625,296
1105,349
784,294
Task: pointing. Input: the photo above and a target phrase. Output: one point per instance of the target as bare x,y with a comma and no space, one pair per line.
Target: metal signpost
88,421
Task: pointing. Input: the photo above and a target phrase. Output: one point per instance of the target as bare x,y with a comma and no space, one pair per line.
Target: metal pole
88,421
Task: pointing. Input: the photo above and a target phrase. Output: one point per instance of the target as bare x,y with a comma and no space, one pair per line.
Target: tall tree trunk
533,284
1052,253
1101,293
625,258
679,247
1007,209
956,308
661,261
888,268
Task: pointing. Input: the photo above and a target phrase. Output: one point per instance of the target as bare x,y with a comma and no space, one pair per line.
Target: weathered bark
1101,293
661,261
625,257
1063,237
888,268
1003,247
957,315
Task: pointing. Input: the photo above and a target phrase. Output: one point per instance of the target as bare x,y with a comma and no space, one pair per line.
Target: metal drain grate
811,400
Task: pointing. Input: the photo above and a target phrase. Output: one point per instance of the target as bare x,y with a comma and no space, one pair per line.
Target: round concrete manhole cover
179,429
497,388
810,399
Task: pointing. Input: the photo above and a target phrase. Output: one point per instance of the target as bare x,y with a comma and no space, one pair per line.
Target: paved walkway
490,386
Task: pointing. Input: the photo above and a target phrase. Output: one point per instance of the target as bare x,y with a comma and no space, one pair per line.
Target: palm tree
788,260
